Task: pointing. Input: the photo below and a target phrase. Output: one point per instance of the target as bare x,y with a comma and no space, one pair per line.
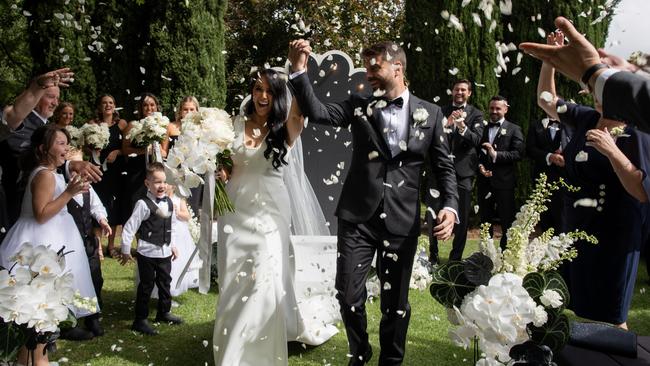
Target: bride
257,311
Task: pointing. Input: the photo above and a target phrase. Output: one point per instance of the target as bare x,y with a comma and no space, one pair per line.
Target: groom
379,208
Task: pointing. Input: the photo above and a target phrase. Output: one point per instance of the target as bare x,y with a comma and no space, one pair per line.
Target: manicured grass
428,342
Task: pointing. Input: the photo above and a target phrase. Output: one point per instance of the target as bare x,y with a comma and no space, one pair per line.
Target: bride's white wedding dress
257,311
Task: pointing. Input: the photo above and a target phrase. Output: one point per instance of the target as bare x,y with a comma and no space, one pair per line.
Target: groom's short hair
386,48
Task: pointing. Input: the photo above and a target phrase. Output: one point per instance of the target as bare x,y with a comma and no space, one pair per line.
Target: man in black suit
544,144
464,128
379,208
502,146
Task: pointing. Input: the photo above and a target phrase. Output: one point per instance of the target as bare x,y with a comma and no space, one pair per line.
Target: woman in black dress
187,105
608,161
136,156
110,188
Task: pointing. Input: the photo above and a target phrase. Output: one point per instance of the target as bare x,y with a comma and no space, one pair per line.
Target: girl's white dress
57,232
257,311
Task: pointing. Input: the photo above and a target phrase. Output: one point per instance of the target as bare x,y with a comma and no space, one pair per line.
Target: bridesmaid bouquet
95,136
509,303
149,129
76,136
35,298
204,144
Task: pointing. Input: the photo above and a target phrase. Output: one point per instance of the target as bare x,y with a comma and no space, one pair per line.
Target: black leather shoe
142,326
362,359
76,334
92,324
168,318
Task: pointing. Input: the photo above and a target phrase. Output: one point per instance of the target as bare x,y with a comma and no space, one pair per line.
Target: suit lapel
375,131
497,138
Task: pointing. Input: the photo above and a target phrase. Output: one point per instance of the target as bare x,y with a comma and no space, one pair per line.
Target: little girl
44,219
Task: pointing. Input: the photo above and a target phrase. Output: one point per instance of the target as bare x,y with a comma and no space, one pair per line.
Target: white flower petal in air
387,286
453,71
227,229
541,32
205,343
402,145
562,108
382,215
372,155
434,193
585,202
546,96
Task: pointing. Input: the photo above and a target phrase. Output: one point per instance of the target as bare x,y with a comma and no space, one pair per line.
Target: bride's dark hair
275,140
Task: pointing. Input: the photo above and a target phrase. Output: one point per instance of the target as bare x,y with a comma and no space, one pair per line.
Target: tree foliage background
207,47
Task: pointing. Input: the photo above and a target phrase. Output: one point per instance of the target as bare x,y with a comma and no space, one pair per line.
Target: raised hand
572,59
77,185
616,62
86,169
61,78
299,51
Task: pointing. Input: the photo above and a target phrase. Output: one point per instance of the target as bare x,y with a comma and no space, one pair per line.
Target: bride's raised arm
295,122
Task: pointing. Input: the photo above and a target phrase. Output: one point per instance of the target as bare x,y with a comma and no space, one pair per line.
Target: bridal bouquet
204,144
149,129
95,136
76,136
515,297
35,297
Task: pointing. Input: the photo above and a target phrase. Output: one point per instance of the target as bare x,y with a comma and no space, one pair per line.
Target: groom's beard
377,84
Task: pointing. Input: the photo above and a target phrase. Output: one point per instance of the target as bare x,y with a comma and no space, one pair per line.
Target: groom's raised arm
336,114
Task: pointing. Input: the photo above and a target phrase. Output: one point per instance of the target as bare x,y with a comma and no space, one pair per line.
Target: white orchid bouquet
76,136
148,130
501,299
35,299
204,144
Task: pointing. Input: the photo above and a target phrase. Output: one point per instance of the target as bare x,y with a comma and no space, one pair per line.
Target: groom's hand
445,227
299,51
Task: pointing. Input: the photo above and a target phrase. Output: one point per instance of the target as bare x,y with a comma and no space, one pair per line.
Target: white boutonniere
420,116
503,131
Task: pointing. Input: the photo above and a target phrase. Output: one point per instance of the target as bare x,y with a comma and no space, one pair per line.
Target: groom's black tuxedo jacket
464,147
375,177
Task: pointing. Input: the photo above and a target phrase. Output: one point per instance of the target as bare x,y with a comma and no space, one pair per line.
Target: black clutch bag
603,338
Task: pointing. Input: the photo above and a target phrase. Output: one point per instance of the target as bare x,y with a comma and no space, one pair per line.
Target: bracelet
590,72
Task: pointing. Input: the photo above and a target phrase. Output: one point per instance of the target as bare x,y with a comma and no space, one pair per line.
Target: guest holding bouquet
110,188
607,159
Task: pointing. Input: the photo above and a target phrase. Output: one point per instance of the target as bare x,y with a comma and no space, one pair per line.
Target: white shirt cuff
600,83
455,213
294,75
548,159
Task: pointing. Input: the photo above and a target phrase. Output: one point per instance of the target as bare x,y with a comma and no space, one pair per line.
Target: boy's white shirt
140,213
97,209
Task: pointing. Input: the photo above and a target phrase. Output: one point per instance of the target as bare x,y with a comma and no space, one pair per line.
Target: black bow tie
454,108
397,102
158,200
494,124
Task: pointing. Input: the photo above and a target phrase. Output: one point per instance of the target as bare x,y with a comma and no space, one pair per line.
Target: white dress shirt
492,132
97,210
394,122
141,213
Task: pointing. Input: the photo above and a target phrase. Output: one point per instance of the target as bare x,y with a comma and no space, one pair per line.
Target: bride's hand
223,175
299,51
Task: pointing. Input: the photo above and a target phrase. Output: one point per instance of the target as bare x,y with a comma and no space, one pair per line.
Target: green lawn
428,343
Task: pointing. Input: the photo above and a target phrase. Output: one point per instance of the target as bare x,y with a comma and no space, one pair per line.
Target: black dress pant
504,200
153,271
357,244
460,230
92,251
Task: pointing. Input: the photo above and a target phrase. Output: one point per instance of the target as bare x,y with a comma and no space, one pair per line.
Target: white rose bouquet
76,136
509,303
204,144
95,137
148,130
35,300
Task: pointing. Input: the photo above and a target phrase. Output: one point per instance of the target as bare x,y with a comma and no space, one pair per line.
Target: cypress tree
433,49
15,62
58,33
528,17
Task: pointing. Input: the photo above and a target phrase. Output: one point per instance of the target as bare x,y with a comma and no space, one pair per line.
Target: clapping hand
77,184
489,149
486,173
299,51
60,77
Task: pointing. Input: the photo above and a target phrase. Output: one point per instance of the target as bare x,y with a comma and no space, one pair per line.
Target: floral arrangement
149,129
194,225
76,136
420,275
205,142
35,299
95,135
500,299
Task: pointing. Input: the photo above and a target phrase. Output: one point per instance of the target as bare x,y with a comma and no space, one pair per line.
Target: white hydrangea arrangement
35,298
76,136
515,297
205,142
148,130
95,136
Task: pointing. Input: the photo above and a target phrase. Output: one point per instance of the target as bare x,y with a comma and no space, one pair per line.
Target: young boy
151,219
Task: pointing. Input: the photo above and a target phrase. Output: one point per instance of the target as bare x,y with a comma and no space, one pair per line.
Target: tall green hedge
15,61
433,49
